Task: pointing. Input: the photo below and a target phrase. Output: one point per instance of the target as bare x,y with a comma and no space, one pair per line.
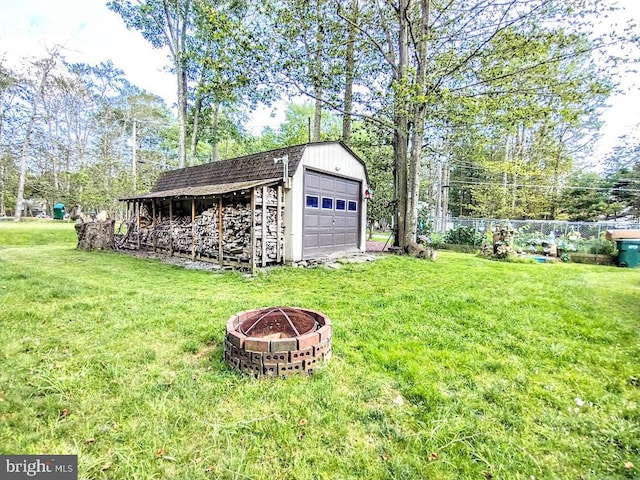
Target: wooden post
252,211
170,227
220,245
193,228
153,225
279,238
138,222
264,226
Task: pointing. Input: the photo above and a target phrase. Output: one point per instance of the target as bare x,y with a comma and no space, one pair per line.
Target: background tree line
482,108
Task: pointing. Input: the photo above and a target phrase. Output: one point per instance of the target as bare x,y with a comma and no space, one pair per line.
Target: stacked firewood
236,231
272,196
202,236
268,233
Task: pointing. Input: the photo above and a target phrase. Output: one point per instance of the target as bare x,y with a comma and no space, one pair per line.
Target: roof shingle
258,166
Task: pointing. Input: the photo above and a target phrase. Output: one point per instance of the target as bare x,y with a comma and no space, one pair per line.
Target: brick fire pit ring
277,341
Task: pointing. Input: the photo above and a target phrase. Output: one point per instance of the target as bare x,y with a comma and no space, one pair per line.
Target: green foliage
463,236
427,379
602,246
425,224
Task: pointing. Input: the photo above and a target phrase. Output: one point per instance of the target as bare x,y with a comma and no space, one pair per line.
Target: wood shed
280,206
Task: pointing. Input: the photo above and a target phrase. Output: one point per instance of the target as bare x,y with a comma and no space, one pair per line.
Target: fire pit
277,341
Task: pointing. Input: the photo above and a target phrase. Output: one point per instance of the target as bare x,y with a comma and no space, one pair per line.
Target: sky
91,33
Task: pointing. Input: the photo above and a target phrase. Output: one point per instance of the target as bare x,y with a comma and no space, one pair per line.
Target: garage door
331,214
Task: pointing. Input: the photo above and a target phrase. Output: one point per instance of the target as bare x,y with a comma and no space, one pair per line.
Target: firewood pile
201,237
270,234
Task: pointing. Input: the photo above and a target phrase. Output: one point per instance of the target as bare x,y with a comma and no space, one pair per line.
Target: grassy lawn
462,368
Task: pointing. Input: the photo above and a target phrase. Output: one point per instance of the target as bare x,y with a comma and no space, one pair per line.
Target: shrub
602,246
463,236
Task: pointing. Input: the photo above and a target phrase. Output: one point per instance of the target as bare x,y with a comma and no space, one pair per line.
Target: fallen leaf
64,413
398,401
384,457
106,466
197,460
487,475
159,452
168,458
433,456
302,422
90,440
300,436
210,469
629,465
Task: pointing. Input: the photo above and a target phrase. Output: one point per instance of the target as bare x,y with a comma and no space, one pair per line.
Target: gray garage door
331,214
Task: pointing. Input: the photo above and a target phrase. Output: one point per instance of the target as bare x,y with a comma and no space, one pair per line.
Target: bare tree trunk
2,206
349,74
46,66
401,122
215,125
317,81
176,34
411,115
182,113
197,108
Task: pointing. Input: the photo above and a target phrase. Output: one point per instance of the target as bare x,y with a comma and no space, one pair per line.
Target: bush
463,236
601,246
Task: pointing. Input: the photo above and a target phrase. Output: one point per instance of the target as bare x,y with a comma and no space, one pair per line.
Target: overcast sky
91,33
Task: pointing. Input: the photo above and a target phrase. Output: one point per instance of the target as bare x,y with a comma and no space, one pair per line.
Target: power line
568,187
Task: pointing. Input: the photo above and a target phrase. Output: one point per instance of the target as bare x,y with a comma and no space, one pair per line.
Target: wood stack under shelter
236,212
239,225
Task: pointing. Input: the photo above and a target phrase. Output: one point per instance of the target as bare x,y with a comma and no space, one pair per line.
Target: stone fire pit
277,341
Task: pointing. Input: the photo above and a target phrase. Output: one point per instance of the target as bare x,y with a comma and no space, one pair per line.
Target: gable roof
258,166
254,169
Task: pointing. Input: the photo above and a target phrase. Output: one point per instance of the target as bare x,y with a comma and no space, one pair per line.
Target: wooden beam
193,228
170,227
220,245
138,223
252,211
264,226
153,225
279,237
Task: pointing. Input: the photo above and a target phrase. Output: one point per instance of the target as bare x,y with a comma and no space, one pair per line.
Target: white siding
332,159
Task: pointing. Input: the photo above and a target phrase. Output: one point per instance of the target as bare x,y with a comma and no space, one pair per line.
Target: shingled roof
228,175
258,166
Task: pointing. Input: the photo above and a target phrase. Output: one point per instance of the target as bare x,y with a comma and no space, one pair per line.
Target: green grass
462,368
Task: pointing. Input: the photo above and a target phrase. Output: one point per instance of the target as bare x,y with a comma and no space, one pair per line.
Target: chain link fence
530,235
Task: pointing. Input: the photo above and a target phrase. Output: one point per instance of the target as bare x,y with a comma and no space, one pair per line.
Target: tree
623,176
43,68
165,23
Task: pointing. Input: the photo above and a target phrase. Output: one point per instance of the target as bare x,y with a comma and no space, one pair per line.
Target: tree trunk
2,206
349,74
401,134
47,65
215,125
317,77
176,35
181,78
409,122
197,108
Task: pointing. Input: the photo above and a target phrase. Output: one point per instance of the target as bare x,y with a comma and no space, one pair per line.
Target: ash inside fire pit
279,323
277,341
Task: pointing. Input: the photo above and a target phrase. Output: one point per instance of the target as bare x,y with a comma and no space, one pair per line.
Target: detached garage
274,207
